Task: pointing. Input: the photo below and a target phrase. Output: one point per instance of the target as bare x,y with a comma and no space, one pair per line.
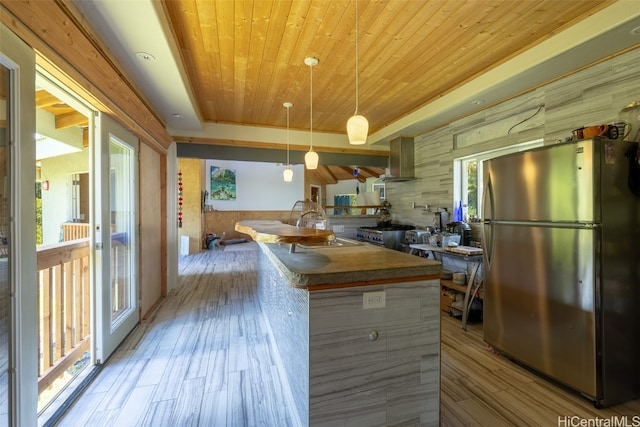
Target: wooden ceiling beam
349,171
369,172
70,119
45,99
277,146
325,176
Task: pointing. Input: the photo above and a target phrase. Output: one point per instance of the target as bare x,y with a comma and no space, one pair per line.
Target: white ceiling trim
128,27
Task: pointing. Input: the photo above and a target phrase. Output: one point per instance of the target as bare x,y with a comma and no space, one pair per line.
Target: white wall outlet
373,299
338,228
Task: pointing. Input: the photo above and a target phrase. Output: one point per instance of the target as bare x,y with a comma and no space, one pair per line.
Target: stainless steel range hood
401,160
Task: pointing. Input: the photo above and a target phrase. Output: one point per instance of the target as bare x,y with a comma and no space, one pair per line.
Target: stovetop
390,236
392,227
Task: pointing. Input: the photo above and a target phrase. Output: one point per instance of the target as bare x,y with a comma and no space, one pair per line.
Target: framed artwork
223,184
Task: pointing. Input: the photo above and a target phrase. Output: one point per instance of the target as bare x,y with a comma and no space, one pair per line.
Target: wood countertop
269,231
316,265
361,264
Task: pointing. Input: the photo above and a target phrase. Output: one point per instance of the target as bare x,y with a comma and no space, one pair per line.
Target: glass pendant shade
311,159
357,125
357,130
287,174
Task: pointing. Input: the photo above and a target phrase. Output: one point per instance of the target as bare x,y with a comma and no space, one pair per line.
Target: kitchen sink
339,242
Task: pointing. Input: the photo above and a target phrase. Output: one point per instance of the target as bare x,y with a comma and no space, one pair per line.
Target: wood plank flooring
203,359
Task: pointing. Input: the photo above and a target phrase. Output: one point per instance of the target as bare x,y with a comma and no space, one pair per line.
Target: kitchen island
356,331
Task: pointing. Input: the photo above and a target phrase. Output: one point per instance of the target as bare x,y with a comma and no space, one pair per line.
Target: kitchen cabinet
356,343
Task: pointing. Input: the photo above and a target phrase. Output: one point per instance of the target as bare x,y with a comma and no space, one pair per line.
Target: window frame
460,175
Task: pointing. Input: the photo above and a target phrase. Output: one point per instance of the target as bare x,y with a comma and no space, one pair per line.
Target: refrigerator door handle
487,229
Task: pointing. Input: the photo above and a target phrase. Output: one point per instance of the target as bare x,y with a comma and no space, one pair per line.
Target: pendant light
311,158
357,125
287,173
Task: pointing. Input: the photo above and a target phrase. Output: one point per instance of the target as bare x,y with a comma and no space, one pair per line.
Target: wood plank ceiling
245,58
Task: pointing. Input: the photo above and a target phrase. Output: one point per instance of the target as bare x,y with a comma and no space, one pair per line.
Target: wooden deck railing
63,306
74,231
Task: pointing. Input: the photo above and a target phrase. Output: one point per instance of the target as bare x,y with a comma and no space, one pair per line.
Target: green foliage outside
472,189
38,213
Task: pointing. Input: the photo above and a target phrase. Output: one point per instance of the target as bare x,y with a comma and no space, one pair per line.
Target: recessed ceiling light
477,102
144,56
178,116
636,31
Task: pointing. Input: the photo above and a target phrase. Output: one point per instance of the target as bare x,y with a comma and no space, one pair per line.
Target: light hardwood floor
203,359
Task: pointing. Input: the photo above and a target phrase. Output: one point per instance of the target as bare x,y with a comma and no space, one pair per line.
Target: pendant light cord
311,108
357,94
288,136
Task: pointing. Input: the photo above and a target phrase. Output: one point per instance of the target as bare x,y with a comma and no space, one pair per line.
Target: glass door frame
20,59
110,333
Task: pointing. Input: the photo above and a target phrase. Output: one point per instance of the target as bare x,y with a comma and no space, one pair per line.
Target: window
467,177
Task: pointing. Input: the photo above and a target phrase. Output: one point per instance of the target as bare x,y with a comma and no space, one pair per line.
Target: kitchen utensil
606,131
624,129
577,134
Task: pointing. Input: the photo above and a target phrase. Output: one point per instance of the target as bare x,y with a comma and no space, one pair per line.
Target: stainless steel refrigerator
561,239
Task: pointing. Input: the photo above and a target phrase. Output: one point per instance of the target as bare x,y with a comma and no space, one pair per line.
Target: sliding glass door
6,316
18,325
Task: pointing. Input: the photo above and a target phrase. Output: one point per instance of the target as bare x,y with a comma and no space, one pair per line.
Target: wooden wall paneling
191,203
164,268
150,229
219,222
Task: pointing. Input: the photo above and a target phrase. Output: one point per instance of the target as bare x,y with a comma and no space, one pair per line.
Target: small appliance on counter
441,219
629,121
462,229
417,235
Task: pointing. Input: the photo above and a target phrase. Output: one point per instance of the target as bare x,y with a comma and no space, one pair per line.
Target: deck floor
203,359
